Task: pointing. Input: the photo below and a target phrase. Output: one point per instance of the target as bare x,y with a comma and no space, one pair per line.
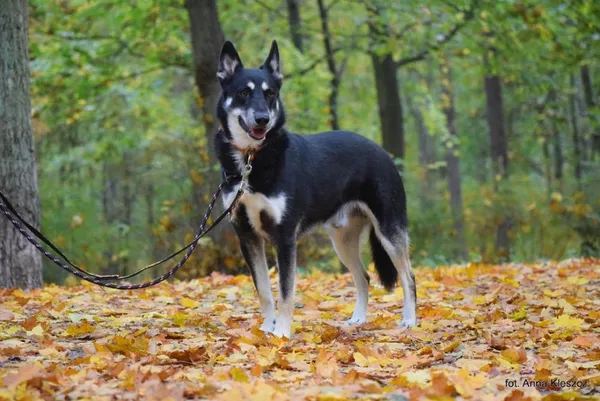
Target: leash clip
247,171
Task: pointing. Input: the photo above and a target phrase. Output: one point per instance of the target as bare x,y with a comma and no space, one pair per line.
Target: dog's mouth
256,133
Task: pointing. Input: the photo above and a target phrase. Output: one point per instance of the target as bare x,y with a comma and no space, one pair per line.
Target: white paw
408,322
268,325
355,320
281,331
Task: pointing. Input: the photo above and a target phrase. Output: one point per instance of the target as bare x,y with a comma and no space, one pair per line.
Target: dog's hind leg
346,242
397,247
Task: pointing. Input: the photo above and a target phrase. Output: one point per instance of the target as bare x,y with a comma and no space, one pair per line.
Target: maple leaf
128,345
567,321
190,355
79,329
188,303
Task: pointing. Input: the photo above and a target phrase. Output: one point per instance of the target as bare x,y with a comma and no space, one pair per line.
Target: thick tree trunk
575,130
331,65
207,39
295,22
498,151
453,161
390,107
20,263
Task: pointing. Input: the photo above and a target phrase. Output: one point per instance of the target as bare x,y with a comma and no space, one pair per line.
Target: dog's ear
229,62
272,64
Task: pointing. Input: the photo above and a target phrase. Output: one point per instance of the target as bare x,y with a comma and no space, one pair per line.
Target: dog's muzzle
259,132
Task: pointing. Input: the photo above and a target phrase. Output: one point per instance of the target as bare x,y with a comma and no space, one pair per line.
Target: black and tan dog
337,179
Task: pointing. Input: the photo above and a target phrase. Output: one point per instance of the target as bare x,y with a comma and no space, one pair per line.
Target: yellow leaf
188,303
515,355
239,375
180,318
518,315
451,346
37,330
566,307
577,280
567,321
78,329
554,294
360,359
127,345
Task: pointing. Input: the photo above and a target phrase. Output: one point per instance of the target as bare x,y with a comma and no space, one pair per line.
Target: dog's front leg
253,249
286,263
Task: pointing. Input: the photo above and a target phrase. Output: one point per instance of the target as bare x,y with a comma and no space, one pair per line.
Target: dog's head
249,107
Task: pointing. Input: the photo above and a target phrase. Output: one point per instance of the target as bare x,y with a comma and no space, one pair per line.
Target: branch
312,66
327,39
433,47
271,9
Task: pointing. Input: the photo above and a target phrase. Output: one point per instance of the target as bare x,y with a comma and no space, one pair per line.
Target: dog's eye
244,93
270,94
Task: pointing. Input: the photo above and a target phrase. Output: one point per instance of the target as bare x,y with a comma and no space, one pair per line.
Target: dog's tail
388,274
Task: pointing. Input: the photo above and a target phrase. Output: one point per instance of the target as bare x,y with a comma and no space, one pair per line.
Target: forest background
490,109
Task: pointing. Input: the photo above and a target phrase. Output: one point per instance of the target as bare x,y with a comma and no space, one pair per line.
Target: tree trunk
207,39
390,107
498,151
331,65
452,160
20,263
295,22
558,153
110,209
495,118
547,166
575,128
590,103
426,154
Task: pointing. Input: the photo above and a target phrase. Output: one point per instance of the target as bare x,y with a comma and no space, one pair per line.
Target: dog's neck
270,153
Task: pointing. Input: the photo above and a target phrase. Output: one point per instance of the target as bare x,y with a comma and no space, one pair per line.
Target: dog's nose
262,119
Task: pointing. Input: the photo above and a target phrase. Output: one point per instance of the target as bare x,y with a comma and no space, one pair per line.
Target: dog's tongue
258,133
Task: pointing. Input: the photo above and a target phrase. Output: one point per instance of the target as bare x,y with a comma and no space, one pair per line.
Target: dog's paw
282,330
408,323
268,326
355,320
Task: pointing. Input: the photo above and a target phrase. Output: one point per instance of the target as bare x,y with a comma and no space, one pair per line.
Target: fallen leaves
567,321
481,327
80,329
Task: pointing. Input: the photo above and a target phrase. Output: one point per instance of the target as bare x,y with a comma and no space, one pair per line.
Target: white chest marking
255,203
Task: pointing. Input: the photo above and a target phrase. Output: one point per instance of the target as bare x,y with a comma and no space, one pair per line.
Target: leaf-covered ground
485,333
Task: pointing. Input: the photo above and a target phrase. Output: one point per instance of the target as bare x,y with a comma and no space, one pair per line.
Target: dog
337,179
